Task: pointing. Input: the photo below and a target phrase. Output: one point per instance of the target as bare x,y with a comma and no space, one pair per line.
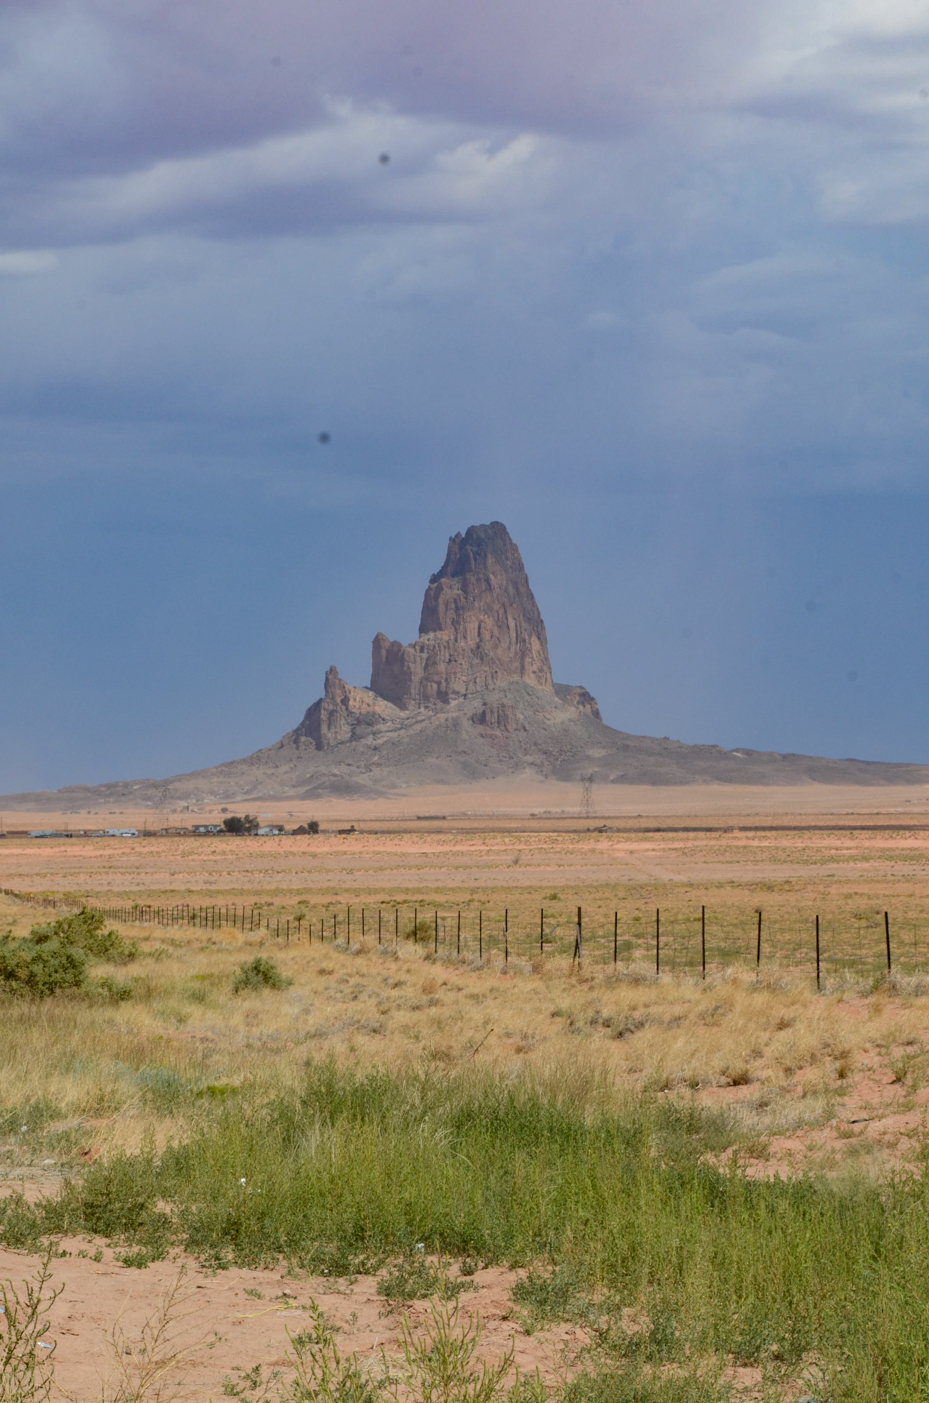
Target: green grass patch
619,1216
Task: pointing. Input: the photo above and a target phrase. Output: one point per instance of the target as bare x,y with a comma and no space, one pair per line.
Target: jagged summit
472,699
480,627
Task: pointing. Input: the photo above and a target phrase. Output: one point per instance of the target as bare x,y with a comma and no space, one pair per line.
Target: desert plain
466,977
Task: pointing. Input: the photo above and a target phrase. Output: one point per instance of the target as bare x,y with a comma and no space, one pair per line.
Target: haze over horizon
646,283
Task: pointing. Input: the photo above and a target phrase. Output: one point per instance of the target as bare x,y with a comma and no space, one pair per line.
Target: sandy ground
233,1320
384,862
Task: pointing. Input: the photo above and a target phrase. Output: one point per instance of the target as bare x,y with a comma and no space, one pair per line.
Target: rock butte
471,699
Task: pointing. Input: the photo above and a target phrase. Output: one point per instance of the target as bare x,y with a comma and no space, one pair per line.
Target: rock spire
480,628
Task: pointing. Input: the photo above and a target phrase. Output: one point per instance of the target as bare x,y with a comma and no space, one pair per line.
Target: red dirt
225,1329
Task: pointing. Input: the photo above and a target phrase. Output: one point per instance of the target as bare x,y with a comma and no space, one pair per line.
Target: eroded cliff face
480,628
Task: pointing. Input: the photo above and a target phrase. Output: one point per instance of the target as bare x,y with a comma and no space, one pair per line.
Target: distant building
120,833
206,828
269,829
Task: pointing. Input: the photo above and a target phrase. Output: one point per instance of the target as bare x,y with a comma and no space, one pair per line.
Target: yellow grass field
759,1037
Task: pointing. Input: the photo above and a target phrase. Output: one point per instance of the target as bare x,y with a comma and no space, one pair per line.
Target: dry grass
96,1075
86,1076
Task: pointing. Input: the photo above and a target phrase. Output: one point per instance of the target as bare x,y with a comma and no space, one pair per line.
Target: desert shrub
547,1295
111,991
117,1199
21,1227
422,931
259,973
38,970
85,931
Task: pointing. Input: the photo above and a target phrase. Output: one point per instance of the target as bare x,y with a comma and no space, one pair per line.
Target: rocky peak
480,627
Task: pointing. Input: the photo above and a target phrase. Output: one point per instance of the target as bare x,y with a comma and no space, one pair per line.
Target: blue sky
646,281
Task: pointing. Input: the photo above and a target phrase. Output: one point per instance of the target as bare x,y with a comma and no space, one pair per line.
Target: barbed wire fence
870,945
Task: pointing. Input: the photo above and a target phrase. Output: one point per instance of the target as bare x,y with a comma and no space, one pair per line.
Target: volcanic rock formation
480,627
480,630
471,699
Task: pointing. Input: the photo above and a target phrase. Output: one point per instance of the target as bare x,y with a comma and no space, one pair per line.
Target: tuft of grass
615,1384
112,991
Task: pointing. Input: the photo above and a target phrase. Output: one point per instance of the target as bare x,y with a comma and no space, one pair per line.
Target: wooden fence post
703,939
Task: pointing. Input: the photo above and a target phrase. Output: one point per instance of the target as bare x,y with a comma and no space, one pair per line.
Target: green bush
260,973
84,931
38,970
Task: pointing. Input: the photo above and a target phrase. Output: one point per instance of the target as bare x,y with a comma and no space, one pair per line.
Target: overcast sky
644,279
